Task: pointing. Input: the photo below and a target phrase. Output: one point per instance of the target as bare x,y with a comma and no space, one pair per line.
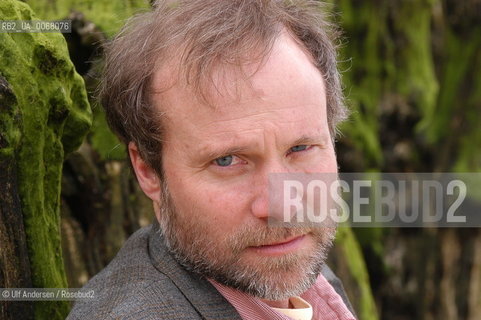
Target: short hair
209,33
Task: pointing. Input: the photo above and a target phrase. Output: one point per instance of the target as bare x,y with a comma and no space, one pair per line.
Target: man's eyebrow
307,139
211,153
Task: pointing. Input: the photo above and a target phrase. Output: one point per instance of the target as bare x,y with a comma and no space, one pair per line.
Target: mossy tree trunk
101,202
44,116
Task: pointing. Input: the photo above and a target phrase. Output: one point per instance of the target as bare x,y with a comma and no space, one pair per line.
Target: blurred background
412,76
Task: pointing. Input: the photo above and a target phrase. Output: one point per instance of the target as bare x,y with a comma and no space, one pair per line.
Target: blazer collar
201,294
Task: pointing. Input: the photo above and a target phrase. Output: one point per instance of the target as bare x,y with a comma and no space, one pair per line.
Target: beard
193,244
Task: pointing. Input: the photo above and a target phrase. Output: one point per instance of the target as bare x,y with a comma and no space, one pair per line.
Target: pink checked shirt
325,302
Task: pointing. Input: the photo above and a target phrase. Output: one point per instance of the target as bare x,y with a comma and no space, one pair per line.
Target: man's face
217,160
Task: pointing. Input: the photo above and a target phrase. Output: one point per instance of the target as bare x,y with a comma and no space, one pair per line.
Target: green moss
460,98
79,119
361,58
10,124
387,55
103,140
346,240
416,79
108,16
49,117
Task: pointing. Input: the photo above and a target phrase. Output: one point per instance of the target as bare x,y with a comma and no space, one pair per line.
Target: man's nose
267,201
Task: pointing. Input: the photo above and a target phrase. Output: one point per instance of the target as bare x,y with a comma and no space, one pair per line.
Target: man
211,97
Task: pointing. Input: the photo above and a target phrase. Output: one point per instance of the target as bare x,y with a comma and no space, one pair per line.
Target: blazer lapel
204,297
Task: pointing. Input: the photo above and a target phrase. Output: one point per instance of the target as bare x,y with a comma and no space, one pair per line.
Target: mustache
254,236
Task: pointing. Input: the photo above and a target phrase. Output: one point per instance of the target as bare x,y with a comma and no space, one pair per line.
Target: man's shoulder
131,287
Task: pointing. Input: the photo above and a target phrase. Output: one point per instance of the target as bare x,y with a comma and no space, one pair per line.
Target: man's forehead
227,84
223,85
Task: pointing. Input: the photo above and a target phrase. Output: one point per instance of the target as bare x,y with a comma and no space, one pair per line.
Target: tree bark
14,261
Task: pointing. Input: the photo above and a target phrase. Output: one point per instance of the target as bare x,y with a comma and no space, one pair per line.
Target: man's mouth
281,247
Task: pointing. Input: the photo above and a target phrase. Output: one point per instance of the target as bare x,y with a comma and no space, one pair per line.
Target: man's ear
148,180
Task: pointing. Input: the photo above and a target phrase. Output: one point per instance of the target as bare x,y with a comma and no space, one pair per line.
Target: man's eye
298,148
224,161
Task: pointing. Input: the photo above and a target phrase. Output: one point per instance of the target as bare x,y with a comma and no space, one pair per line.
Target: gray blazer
144,282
